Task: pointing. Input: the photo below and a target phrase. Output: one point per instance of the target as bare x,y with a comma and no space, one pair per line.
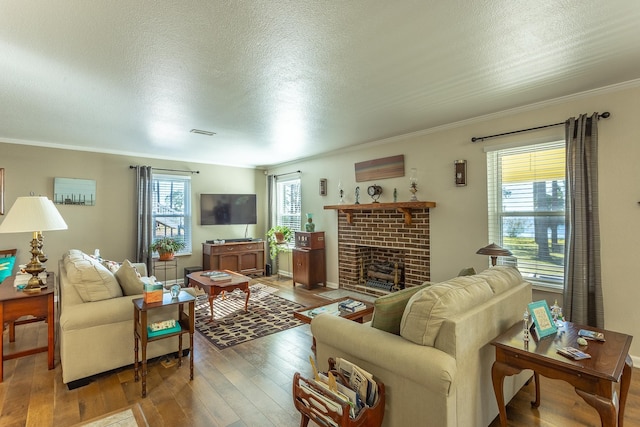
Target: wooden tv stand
241,257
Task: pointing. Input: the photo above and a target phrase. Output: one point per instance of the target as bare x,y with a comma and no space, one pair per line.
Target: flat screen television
220,209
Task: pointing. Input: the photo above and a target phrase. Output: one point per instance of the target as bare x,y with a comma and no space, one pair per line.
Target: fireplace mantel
404,207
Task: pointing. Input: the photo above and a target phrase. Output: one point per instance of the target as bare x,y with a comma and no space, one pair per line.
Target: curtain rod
167,170
288,173
604,115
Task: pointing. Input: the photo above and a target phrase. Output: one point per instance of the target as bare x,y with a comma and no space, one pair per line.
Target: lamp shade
33,213
494,250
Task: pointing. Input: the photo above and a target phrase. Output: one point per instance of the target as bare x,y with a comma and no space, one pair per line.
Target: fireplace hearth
382,237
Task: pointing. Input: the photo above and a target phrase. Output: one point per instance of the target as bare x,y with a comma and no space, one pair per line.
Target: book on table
217,276
573,353
163,327
351,306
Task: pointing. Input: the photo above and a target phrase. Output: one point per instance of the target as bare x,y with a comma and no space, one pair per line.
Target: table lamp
33,214
494,251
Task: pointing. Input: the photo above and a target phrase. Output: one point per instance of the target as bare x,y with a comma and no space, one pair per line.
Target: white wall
459,222
110,224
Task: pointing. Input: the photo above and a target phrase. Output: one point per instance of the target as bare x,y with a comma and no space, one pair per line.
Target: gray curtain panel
583,287
144,217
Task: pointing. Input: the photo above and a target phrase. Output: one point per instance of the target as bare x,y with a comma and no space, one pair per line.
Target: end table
140,333
592,378
15,304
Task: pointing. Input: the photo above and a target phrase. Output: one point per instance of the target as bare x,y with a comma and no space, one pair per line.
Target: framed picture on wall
542,319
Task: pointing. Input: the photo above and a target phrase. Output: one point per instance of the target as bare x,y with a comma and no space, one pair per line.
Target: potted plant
166,247
278,237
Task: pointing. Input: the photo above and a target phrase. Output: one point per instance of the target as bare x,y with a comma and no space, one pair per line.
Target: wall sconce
323,186
461,172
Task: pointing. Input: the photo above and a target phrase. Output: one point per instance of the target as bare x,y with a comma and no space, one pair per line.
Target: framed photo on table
542,319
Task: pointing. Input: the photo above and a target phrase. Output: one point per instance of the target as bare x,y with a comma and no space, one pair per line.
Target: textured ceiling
281,80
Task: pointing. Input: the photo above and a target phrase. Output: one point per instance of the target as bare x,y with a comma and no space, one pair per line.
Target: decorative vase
310,226
175,291
165,256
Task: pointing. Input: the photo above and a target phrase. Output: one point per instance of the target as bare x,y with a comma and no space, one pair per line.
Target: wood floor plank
243,386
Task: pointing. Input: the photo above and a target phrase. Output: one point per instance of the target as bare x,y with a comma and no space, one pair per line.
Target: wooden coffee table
214,288
592,378
307,314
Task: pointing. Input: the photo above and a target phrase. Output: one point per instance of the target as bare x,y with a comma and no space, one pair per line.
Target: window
171,204
526,189
288,204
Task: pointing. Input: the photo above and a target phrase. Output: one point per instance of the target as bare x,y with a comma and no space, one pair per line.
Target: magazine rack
323,415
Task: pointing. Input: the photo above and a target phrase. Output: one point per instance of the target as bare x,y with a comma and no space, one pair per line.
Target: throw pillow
6,267
91,279
427,309
388,309
112,266
129,279
469,271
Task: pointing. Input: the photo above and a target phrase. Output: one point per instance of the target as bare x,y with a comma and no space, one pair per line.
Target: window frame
296,202
497,213
186,215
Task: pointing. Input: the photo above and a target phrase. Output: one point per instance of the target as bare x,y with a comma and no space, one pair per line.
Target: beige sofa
96,317
437,372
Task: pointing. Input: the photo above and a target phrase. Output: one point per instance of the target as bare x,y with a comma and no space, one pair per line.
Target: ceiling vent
202,132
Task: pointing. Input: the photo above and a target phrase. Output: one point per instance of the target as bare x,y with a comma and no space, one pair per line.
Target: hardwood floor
246,385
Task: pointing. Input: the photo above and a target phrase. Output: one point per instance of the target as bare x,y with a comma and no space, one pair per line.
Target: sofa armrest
424,365
463,334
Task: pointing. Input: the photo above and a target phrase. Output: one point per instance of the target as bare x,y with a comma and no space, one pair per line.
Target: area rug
267,314
129,417
341,293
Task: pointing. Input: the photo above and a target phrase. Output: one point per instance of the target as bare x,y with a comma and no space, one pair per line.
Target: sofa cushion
427,309
501,277
129,279
389,309
90,278
6,267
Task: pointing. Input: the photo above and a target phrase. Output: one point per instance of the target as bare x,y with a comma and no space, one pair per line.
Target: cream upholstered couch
437,372
96,317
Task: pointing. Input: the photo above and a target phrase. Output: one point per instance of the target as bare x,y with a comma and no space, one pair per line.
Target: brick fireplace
391,232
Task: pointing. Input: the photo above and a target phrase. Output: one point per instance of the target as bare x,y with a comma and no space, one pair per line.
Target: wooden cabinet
309,263
241,257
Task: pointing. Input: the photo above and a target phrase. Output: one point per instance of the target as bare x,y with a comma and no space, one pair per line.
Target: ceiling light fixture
202,132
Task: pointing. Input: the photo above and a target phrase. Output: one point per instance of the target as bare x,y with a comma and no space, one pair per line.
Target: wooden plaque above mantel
405,207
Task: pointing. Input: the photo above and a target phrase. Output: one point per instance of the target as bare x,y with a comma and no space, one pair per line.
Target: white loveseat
437,372
96,317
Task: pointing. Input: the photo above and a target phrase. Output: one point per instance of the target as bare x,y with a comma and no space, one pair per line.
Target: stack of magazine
348,386
217,276
351,306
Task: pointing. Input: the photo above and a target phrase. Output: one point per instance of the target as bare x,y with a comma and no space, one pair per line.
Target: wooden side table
592,378
141,337
15,304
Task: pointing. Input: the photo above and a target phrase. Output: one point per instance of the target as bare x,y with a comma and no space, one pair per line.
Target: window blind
171,202
289,204
526,207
